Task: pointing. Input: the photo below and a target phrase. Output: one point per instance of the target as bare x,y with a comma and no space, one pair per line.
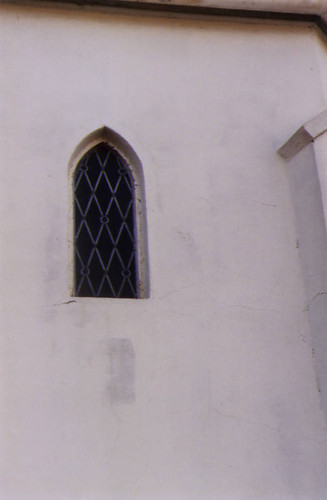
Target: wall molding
307,11
304,135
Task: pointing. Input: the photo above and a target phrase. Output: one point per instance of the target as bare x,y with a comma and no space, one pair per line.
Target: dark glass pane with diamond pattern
104,236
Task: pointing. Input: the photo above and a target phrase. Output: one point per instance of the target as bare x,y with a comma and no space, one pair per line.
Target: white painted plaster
312,132
318,125
307,152
216,367
320,149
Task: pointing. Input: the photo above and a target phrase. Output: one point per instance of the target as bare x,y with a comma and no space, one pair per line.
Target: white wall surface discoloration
225,402
122,370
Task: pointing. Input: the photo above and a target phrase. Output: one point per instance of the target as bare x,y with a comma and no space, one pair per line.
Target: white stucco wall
225,400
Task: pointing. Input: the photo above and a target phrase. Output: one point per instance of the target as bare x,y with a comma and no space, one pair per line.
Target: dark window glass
104,226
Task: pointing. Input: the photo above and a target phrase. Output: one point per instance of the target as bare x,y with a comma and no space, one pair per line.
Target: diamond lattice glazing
105,246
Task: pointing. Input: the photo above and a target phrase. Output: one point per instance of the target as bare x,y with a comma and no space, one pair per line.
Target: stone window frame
117,142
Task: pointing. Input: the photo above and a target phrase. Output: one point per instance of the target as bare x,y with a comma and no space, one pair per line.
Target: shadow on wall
312,240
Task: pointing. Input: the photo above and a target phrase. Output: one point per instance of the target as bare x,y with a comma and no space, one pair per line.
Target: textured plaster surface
308,201
208,389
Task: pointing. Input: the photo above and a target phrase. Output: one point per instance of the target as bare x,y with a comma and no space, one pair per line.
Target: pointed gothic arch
109,219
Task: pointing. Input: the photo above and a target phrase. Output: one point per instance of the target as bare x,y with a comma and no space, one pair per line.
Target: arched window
106,253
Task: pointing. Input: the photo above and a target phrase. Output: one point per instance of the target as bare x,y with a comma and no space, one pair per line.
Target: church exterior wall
208,388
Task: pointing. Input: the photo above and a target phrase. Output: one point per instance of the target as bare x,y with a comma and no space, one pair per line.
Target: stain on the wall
122,371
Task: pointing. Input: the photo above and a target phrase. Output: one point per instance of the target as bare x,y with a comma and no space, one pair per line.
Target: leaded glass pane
104,226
